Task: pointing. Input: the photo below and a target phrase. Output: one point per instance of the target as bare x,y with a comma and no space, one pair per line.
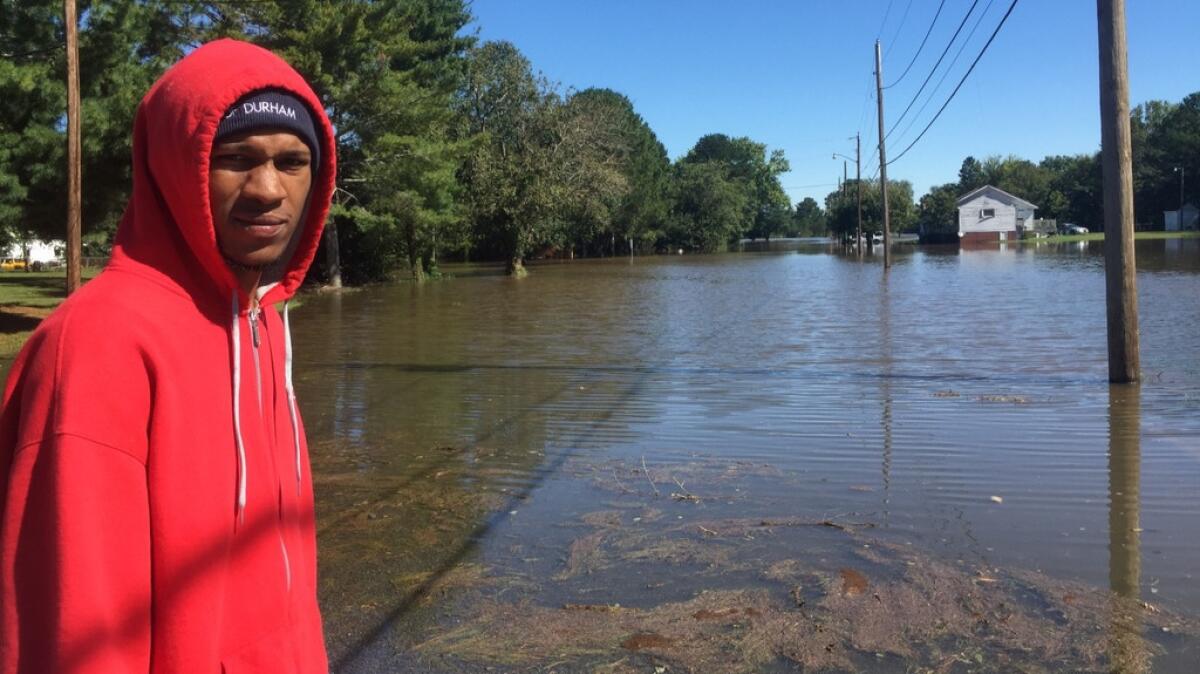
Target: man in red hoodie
156,510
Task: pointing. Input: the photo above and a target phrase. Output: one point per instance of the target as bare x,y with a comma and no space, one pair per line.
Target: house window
987,213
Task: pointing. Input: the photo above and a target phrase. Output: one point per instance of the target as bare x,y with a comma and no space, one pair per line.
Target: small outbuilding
989,214
1182,220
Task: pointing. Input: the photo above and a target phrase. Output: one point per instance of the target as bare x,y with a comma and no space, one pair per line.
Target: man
156,511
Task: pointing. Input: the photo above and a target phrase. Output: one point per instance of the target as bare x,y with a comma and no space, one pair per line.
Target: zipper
255,341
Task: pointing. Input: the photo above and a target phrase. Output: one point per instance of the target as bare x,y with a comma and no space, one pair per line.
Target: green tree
120,56
746,165
842,208
711,208
970,175
597,131
387,72
808,219
937,214
641,214
509,117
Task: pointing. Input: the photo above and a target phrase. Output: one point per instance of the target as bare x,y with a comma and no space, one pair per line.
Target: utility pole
1120,268
883,187
845,176
1180,171
74,143
858,185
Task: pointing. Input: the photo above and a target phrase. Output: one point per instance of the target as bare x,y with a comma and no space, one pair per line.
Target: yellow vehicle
12,264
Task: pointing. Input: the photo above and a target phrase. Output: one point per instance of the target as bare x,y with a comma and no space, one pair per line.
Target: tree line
454,148
1067,188
447,147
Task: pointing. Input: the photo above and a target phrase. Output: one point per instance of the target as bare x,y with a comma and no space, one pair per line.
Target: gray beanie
274,109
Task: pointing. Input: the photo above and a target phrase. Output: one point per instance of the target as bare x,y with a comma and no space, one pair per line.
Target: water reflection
960,402
1127,648
885,394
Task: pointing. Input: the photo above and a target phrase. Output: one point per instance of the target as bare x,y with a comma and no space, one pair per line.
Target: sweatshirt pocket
272,654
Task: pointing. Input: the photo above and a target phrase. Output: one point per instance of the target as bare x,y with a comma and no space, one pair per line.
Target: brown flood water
768,461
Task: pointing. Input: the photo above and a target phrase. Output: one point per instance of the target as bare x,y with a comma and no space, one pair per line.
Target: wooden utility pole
74,143
858,185
1120,269
883,187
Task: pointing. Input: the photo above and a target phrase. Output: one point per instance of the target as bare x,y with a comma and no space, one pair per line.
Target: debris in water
1015,400
853,582
643,640
997,499
706,614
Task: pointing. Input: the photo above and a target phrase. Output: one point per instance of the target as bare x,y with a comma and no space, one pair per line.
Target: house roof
995,193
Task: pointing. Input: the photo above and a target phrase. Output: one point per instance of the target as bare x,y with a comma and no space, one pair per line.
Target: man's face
258,185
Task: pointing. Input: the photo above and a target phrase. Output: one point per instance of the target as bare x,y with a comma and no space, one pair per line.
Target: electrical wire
903,17
949,68
886,14
934,70
960,83
923,41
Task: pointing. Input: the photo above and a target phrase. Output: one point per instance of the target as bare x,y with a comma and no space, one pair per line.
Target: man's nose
263,184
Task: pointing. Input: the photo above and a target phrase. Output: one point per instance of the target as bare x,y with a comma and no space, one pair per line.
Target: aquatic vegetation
881,602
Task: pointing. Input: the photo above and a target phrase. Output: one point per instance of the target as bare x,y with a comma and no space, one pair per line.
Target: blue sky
798,74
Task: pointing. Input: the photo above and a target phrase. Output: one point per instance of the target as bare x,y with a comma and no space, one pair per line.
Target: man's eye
293,163
230,158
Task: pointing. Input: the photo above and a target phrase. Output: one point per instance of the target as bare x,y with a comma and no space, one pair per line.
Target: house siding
971,220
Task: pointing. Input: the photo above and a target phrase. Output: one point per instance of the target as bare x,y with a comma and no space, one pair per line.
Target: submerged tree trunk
333,260
415,266
516,266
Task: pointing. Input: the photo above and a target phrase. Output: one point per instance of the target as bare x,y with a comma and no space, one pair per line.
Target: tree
970,175
711,208
597,131
746,165
642,211
509,173
841,207
808,219
387,72
120,56
937,214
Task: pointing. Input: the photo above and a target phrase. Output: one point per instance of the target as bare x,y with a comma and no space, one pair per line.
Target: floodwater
776,460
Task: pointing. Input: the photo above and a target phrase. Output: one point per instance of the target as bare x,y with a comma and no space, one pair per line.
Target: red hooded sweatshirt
156,511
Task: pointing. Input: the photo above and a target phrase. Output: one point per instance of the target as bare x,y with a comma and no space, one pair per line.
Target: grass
1099,236
28,297
25,299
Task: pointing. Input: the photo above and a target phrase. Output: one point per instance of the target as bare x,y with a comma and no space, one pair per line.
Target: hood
167,230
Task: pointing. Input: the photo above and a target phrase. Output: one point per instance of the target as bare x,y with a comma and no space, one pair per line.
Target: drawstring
235,344
291,393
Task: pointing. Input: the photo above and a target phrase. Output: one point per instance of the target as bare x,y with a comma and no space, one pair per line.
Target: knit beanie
271,109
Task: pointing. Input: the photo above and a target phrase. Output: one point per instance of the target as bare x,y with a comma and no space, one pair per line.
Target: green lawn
25,299
1099,236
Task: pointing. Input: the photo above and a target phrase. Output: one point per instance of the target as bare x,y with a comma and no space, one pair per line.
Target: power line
899,27
923,41
862,117
886,13
949,68
934,70
960,83
800,187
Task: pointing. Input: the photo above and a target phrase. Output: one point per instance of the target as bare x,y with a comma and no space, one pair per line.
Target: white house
990,214
1189,219
39,251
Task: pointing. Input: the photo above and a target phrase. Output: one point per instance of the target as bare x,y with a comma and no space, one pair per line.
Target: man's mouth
261,225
